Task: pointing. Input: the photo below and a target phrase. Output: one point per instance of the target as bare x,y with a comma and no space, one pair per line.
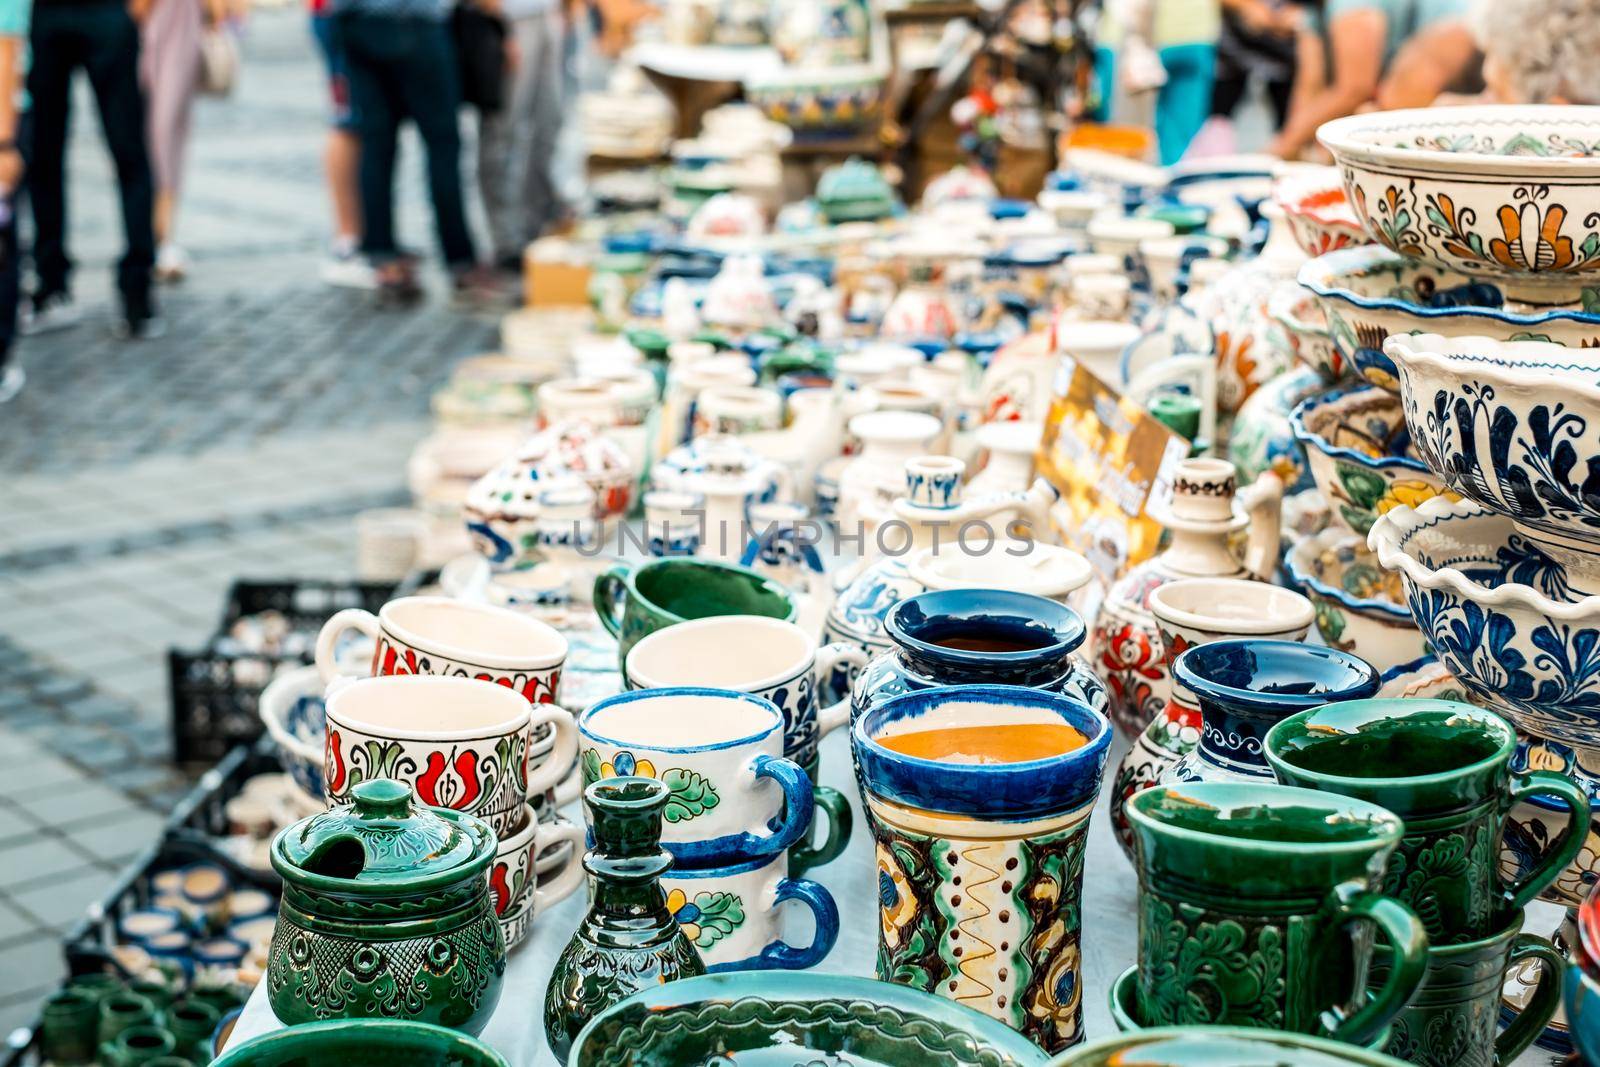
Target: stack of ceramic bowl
1503,584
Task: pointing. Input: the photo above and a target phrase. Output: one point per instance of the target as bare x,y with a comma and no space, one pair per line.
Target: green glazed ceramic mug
1444,768
1454,1019
1253,900
634,602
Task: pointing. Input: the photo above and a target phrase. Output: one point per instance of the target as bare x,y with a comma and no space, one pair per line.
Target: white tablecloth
517,1029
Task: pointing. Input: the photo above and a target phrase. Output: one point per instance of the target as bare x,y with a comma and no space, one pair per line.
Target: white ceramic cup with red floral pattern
438,635
513,879
461,744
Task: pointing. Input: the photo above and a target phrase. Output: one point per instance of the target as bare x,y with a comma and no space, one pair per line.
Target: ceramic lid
386,840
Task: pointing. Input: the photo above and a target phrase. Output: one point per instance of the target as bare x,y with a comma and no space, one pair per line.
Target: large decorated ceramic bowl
1500,614
1318,210
772,1017
1369,293
1508,193
362,1043
1514,426
1305,328
1359,450
1215,1046
1361,607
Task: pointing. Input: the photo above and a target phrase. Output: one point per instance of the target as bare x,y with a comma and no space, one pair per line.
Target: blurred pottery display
949,833
746,1016
1500,192
818,101
1097,346
1126,648
854,191
1247,892
1361,607
628,940
739,296
386,912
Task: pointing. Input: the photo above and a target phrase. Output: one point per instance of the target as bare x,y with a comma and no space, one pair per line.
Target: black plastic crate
186,840
215,692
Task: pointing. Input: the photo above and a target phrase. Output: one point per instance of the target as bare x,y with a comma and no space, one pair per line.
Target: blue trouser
1182,104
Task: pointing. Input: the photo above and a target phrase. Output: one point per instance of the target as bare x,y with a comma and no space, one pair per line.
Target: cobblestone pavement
138,481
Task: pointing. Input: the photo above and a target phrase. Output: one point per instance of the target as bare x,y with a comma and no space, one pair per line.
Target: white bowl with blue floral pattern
1370,293
1505,193
1514,426
1500,614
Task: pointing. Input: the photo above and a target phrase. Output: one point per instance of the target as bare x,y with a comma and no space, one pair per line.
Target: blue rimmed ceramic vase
1245,688
980,865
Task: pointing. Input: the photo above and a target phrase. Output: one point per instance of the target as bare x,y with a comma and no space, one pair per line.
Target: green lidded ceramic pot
796,1017
386,913
362,1043
1445,768
1219,1046
1257,906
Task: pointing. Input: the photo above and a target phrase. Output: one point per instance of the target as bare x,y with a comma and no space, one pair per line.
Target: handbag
219,61
480,40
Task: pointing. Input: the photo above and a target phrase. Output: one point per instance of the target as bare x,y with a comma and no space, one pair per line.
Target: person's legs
55,54
11,377
432,99
1185,100
112,63
500,138
169,67
368,42
540,193
1227,91
342,153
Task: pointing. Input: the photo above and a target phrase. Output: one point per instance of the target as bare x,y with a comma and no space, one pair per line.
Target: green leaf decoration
1360,520
1363,487
720,915
591,766
692,794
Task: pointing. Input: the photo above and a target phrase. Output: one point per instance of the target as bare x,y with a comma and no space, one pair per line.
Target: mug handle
564,752
1532,1020
610,597
794,816
333,629
834,810
1565,848
1406,936
570,787
571,876
829,658
815,896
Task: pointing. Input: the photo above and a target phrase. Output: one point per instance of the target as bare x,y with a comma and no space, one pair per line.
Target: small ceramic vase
737,409
1009,449
1189,612
1244,688
739,296
386,913
1019,381
728,475
877,472
1255,902
1445,768
980,865
1202,514
628,940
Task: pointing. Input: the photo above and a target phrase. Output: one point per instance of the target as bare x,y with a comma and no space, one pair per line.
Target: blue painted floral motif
1542,468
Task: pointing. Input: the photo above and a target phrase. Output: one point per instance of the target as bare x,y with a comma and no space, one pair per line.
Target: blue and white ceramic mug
967,851
733,794
734,915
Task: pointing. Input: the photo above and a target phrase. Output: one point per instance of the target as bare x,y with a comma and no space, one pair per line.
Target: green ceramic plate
362,1043
781,1018
1218,1046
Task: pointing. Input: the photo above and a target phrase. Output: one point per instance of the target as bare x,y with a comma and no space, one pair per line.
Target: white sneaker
11,381
172,263
45,314
347,268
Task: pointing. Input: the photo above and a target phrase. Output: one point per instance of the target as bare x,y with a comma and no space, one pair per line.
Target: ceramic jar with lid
1206,509
386,912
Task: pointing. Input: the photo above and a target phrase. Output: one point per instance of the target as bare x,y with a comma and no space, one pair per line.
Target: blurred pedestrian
170,34
344,264
1257,41
517,143
1389,53
101,38
402,66
1165,47
13,135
